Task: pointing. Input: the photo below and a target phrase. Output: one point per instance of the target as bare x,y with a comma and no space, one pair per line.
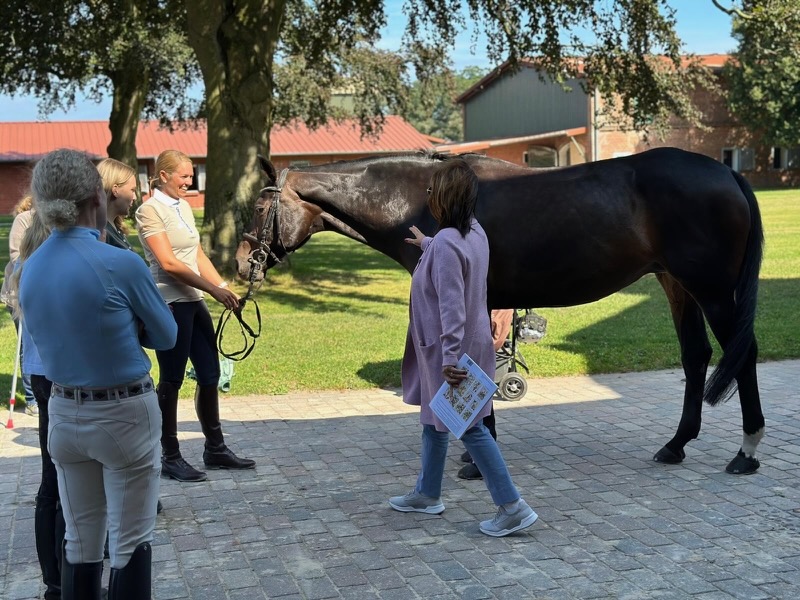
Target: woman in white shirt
183,272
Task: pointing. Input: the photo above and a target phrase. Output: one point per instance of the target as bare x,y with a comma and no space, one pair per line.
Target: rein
258,264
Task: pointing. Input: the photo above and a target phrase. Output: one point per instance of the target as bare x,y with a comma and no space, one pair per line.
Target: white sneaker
416,502
505,522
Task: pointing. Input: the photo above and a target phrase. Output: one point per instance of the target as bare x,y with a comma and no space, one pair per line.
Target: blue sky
703,28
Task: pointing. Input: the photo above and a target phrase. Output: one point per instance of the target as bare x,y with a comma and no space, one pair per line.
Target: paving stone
311,521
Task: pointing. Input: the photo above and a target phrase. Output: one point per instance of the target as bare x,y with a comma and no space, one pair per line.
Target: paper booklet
456,407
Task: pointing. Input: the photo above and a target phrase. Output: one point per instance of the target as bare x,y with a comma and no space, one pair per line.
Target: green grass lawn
335,318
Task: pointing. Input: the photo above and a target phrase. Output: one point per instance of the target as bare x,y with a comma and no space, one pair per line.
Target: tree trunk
131,83
130,91
235,47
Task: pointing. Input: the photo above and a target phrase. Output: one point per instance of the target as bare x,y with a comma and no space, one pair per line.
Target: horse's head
281,223
371,200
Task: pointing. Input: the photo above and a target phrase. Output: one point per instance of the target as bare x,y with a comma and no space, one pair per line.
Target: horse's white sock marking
750,442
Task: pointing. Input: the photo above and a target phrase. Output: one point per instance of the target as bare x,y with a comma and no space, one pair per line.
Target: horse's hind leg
745,462
695,355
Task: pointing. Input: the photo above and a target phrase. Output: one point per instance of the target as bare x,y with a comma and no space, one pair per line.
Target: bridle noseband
258,264
262,250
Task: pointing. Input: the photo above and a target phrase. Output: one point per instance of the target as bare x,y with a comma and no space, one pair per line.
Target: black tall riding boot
216,454
48,546
133,581
168,403
61,531
81,581
172,463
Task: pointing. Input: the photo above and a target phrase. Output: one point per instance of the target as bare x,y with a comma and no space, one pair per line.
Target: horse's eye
260,210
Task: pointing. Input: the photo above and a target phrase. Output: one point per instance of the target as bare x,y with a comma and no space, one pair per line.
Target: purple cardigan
448,316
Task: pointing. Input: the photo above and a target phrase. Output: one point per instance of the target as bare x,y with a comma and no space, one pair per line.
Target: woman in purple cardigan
449,317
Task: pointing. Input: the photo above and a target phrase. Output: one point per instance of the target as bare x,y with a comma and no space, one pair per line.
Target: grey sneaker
416,502
32,409
505,522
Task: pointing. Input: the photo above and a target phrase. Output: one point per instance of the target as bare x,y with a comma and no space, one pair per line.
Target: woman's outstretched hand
454,375
228,298
418,236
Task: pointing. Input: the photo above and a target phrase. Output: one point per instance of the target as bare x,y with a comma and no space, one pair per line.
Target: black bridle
258,264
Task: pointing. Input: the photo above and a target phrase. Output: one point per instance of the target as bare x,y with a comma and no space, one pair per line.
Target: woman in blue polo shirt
90,308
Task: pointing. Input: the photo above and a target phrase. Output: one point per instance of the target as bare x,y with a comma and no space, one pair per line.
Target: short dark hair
454,194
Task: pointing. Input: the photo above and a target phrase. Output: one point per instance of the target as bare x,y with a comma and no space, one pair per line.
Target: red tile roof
22,142
345,138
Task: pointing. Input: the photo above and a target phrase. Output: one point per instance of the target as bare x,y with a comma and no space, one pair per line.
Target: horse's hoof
743,465
665,455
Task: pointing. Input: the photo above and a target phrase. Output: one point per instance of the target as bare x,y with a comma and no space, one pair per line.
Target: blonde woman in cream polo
184,274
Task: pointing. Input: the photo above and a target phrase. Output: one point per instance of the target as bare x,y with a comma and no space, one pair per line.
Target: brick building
520,118
22,144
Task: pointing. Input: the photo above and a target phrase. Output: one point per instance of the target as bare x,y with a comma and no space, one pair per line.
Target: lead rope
249,336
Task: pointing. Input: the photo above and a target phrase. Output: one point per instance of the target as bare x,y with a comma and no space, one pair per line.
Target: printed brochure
456,407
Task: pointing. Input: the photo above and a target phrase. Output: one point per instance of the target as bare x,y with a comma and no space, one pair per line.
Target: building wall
519,104
720,131
15,180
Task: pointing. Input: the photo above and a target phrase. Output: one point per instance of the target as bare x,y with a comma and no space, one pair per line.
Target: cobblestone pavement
312,520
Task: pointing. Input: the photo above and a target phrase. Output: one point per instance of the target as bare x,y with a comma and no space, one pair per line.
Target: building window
198,173
739,159
785,158
299,164
778,157
793,158
144,180
200,177
540,157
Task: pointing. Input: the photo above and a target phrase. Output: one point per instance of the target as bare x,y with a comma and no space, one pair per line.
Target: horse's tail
719,386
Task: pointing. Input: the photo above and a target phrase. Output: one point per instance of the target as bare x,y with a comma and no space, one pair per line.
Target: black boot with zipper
216,455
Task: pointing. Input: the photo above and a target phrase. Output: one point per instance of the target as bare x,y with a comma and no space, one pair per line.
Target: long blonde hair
168,161
25,203
114,173
35,235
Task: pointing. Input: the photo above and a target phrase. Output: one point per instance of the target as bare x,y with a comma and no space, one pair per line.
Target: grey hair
62,183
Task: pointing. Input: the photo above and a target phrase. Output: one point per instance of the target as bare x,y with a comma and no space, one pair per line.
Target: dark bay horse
561,237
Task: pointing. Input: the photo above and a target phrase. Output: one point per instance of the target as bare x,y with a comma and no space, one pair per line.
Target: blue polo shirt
31,363
82,302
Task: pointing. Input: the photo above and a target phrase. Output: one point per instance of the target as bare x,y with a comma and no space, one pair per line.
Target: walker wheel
512,387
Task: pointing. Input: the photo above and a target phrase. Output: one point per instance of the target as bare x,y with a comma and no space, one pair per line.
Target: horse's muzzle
250,264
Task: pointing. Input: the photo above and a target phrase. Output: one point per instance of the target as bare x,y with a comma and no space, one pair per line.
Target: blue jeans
484,451
30,399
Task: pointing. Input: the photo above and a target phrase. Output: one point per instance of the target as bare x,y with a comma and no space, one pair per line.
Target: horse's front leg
695,356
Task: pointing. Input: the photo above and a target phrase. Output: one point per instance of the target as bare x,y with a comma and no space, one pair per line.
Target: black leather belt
82,394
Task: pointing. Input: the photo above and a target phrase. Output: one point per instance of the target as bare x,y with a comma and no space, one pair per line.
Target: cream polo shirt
173,217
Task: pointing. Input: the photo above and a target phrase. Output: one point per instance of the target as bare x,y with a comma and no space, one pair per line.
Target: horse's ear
268,168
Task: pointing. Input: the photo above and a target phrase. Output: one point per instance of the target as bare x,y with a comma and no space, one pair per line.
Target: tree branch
732,11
